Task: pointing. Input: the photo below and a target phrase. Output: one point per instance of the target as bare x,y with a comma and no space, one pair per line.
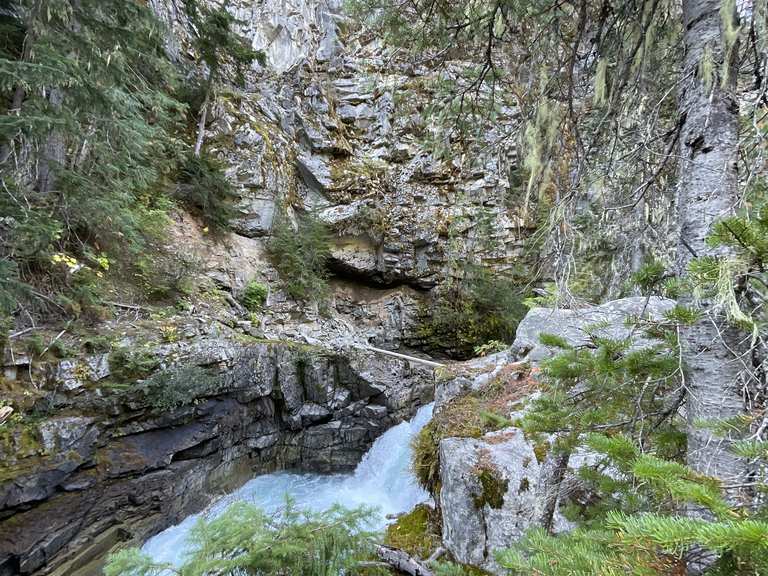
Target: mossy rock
468,416
416,533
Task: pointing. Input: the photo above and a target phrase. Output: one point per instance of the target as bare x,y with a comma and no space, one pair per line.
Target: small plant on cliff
180,386
254,296
490,347
300,255
127,365
205,190
246,540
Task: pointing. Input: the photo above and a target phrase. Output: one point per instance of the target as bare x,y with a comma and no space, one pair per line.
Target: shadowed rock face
121,470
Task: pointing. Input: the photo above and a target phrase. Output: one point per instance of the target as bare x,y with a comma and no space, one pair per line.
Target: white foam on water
383,479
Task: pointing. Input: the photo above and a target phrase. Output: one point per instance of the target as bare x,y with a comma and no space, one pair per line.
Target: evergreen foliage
739,282
473,311
221,49
180,386
621,402
301,255
246,540
205,190
89,134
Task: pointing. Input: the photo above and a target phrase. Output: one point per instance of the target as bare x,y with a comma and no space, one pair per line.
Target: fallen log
405,357
402,562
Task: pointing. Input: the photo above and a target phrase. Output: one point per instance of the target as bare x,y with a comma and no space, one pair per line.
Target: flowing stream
382,479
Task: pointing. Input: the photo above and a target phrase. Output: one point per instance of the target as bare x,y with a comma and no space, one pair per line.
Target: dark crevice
376,279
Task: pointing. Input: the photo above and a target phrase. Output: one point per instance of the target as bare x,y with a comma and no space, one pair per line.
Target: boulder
606,320
487,495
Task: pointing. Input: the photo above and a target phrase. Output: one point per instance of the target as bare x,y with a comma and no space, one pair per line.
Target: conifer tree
220,47
87,128
246,540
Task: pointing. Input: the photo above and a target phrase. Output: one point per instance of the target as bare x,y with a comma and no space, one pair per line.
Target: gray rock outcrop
496,487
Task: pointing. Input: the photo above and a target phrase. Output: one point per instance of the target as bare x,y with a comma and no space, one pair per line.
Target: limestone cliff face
334,124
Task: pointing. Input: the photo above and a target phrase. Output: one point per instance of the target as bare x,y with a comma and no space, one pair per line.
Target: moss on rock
468,416
493,488
416,533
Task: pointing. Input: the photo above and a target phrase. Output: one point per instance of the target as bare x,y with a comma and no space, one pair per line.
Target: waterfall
382,479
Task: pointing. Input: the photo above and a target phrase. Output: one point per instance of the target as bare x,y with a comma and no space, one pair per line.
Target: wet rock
275,404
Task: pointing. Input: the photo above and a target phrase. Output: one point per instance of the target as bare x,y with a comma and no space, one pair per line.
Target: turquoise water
382,479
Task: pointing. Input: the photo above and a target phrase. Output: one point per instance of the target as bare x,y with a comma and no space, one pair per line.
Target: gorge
497,268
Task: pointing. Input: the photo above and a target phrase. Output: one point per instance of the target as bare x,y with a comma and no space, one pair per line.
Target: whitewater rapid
382,479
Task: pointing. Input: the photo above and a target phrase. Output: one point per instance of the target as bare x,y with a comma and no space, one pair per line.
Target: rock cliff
114,456
333,124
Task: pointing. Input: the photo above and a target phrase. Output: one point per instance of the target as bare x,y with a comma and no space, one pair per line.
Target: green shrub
254,296
181,386
94,344
473,312
300,256
11,288
60,349
126,365
34,345
490,347
206,192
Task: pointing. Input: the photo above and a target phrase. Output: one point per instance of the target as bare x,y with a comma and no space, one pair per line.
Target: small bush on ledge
254,296
181,386
205,190
300,256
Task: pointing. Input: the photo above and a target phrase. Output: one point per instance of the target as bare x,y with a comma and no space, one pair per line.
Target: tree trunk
552,473
201,123
54,153
714,352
